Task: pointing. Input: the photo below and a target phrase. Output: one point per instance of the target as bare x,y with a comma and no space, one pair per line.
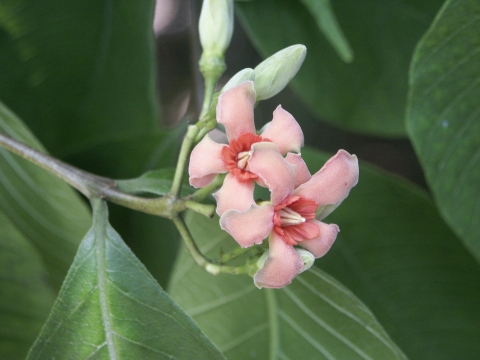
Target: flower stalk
204,192
201,260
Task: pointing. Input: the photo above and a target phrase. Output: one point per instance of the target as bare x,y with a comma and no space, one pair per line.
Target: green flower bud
262,259
215,26
240,77
275,72
307,258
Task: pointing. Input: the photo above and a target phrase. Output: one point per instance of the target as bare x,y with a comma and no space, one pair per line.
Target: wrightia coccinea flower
248,157
293,217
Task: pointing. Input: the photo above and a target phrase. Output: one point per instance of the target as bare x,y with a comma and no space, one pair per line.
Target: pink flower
292,219
208,158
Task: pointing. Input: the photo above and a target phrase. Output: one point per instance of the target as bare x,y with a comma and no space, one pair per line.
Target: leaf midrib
273,323
99,209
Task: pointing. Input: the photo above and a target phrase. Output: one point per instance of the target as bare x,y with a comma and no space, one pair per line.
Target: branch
94,186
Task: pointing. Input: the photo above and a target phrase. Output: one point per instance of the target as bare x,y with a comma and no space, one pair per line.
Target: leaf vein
450,37
239,340
306,336
323,324
144,346
220,301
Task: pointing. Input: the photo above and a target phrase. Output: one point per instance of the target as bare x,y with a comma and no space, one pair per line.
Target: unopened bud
262,259
240,77
275,72
307,258
215,26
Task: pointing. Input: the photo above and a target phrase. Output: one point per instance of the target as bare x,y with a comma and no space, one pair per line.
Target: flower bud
262,259
240,77
275,72
307,258
215,26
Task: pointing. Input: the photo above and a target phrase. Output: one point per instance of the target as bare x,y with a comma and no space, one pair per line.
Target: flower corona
238,152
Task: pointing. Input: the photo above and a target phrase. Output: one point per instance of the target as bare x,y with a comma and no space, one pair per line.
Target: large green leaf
443,115
110,307
42,207
313,318
398,256
78,73
368,95
25,295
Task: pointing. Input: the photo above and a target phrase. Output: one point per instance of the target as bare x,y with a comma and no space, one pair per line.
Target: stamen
242,159
291,220
237,153
290,217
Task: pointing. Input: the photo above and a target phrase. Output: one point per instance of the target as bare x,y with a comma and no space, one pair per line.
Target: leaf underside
110,307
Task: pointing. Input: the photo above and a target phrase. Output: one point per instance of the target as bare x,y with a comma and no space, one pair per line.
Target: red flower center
291,220
236,155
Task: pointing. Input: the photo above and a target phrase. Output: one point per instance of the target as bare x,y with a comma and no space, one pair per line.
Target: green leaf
313,318
156,182
42,207
368,95
322,11
79,73
398,256
25,294
443,115
110,307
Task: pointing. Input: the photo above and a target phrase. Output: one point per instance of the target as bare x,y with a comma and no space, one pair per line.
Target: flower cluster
298,200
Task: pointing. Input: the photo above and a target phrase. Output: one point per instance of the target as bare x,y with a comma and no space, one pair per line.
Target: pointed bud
275,72
262,259
215,28
307,258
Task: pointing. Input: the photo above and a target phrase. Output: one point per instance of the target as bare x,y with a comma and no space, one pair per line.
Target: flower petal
248,227
284,131
273,170
234,195
332,183
235,110
205,162
320,245
282,265
302,175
